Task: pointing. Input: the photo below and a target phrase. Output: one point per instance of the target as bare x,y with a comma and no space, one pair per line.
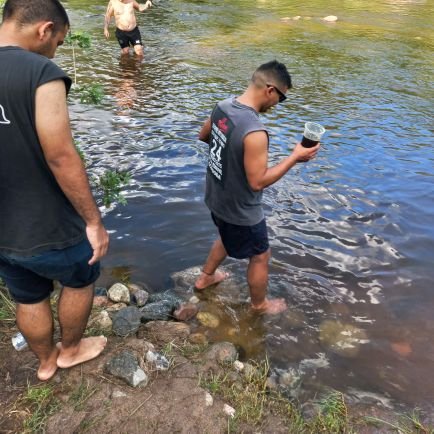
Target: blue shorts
242,242
30,279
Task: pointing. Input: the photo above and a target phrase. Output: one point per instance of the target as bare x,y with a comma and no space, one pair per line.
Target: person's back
228,193
42,216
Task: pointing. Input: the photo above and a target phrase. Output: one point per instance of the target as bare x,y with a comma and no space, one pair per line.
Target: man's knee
138,49
262,258
125,50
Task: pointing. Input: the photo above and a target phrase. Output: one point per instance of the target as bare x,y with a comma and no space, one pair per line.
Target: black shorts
130,38
30,278
242,242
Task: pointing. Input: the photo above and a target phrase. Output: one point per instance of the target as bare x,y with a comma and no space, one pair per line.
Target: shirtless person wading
127,32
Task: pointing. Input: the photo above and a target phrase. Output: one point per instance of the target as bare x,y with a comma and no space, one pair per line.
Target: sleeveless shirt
35,215
228,194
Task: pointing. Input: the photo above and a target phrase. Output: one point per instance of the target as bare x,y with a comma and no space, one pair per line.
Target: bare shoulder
256,140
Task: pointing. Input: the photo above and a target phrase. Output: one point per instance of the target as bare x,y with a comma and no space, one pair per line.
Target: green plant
79,38
91,93
110,184
7,307
80,153
42,404
333,414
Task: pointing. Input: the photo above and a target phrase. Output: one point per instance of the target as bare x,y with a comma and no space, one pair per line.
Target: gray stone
222,352
158,311
119,293
126,321
140,297
101,321
168,297
126,367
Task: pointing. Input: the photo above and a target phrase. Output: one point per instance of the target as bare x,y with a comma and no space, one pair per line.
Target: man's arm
259,175
54,133
108,16
142,8
205,131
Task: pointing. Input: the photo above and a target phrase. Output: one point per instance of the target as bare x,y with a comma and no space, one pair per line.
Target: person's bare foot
48,368
205,280
271,306
87,349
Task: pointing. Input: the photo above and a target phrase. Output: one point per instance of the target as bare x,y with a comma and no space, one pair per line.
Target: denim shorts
30,279
242,242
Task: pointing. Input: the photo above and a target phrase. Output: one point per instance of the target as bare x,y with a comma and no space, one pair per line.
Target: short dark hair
32,11
274,70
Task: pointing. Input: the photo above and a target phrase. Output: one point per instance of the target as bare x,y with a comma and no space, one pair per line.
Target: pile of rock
125,307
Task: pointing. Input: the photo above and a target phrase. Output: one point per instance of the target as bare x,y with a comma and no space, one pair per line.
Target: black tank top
35,215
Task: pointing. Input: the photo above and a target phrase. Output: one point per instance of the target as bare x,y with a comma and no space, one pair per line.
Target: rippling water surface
351,232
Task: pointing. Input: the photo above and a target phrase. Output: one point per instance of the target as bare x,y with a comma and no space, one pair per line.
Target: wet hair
31,11
273,71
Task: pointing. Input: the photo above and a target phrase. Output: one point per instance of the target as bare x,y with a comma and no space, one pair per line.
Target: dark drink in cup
308,143
312,134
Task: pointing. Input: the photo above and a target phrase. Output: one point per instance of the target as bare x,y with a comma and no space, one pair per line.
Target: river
351,232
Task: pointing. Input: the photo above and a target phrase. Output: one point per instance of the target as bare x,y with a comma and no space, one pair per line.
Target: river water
351,232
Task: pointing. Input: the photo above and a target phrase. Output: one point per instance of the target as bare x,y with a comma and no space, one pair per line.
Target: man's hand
99,240
142,8
301,153
106,33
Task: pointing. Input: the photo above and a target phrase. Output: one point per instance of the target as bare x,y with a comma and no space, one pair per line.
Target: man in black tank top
51,228
236,176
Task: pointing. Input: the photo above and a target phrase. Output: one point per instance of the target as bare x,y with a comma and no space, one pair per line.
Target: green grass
81,394
41,404
333,414
7,306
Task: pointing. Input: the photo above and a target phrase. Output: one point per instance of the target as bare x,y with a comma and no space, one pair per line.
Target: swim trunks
130,38
242,242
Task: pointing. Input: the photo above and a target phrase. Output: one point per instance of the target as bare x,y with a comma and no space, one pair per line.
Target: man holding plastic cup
237,174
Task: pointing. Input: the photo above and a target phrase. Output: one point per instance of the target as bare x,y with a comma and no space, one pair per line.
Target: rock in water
344,339
126,321
208,319
186,311
330,18
126,367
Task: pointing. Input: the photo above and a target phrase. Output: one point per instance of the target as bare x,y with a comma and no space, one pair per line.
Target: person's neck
250,99
10,37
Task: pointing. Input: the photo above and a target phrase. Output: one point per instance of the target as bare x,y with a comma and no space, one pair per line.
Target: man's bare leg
257,278
138,49
210,275
125,51
74,308
35,322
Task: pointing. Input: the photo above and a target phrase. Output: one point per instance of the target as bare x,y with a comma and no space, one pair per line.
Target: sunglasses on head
282,96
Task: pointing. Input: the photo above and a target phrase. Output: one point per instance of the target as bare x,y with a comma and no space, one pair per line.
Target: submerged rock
126,367
208,319
186,311
344,339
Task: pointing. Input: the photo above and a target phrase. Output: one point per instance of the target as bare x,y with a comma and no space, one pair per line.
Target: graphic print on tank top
3,118
221,130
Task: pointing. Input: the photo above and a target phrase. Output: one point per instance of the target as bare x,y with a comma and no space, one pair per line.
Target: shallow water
351,232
